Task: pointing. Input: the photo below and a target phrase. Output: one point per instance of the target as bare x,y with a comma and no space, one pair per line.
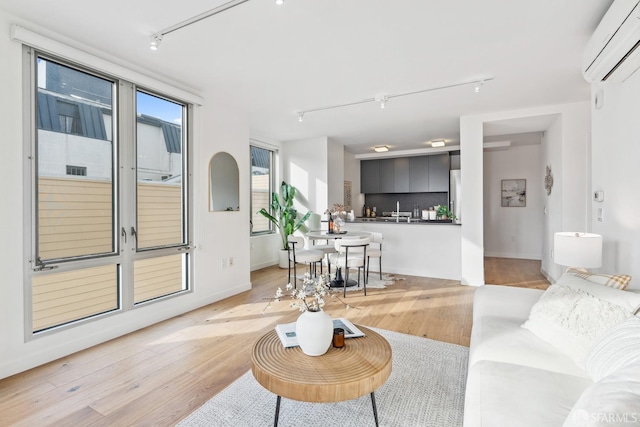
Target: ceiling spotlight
381,149
300,116
478,86
279,2
155,42
382,99
437,143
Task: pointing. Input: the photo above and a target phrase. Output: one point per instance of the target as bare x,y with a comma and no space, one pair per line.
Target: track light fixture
157,37
155,42
300,116
382,99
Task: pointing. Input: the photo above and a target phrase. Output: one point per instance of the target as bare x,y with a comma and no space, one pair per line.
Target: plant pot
314,330
283,258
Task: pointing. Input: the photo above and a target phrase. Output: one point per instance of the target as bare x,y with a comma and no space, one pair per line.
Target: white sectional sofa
516,378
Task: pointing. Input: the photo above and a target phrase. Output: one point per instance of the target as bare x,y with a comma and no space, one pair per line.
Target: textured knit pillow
612,401
572,319
618,281
617,348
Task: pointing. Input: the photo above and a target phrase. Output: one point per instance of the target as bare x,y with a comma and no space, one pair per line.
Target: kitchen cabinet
387,177
401,175
439,173
419,174
370,176
422,174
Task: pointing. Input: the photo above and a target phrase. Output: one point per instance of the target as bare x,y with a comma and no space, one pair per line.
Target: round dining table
337,281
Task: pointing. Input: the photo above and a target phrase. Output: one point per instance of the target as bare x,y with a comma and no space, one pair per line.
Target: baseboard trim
536,257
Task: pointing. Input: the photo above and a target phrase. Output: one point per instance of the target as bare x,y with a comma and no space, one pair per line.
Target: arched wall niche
224,183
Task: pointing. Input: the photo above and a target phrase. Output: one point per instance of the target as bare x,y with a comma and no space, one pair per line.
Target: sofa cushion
572,319
502,339
504,394
504,301
617,348
618,281
612,401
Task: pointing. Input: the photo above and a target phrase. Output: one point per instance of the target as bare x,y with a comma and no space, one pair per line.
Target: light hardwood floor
158,375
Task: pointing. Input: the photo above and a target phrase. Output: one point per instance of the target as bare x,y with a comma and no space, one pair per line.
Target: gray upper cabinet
387,176
370,176
439,173
419,174
401,175
423,174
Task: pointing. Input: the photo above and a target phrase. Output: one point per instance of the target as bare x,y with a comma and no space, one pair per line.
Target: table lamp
577,250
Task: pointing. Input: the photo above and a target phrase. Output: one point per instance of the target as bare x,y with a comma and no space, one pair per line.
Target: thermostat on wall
598,196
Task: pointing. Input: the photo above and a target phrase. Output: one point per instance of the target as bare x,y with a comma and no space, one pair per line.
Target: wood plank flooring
159,375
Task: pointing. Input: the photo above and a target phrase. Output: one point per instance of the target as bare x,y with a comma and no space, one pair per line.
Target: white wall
567,150
615,160
512,232
335,173
304,164
216,234
352,173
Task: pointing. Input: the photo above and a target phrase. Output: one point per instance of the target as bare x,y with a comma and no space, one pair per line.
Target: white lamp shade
582,250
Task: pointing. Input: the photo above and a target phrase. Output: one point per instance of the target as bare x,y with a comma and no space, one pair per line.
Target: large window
109,198
261,188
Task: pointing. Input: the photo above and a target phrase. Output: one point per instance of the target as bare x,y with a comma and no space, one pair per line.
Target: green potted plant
443,212
285,216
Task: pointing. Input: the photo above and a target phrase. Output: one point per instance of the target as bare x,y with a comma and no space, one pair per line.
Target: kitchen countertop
387,220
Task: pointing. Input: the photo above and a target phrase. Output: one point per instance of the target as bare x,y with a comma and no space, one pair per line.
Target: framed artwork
347,196
514,193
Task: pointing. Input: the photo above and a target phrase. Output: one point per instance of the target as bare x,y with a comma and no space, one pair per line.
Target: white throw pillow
628,300
617,348
612,401
572,319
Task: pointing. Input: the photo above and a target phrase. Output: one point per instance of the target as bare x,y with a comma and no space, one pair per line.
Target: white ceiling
272,61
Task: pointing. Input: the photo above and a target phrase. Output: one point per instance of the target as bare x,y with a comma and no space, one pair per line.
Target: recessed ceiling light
438,143
381,149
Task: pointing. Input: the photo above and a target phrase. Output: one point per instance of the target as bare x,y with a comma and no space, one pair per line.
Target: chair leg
359,276
380,261
289,275
295,276
365,288
346,279
366,277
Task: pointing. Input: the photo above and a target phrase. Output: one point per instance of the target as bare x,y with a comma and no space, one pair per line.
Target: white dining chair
297,254
326,249
374,251
351,253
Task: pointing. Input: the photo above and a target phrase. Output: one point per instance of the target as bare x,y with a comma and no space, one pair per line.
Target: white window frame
272,185
36,44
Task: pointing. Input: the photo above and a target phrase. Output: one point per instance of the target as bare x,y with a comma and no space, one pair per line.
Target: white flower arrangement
312,294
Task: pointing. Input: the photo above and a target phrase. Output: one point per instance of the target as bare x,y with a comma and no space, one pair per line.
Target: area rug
426,388
374,280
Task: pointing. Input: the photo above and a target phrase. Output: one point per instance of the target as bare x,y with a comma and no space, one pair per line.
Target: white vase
314,330
283,258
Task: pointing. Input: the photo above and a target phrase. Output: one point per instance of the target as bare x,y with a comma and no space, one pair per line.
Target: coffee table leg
275,421
375,409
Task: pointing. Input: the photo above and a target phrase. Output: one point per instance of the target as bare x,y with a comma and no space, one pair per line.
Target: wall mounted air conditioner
613,52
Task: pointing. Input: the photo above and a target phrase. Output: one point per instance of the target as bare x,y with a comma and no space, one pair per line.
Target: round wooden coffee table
358,368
